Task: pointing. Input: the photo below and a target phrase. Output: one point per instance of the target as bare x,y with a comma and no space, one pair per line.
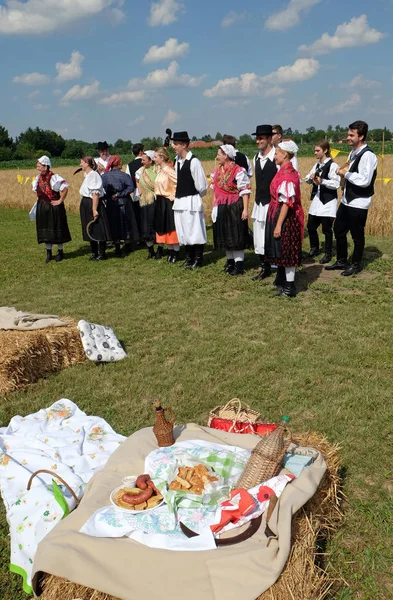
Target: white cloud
233,17
81,93
164,12
252,84
171,49
360,81
57,92
170,118
347,35
33,94
352,102
71,70
123,97
165,78
290,16
274,91
36,17
117,16
41,107
234,103
32,79
136,121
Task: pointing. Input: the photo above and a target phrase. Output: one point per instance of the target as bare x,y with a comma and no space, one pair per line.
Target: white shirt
57,183
317,208
367,165
286,192
101,161
192,203
262,159
92,184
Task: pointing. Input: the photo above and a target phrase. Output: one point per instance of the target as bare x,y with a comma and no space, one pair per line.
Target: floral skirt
285,251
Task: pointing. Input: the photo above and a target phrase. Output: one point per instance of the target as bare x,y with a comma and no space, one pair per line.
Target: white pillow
100,343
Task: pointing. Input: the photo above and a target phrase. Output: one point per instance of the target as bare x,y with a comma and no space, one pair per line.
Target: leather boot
48,256
288,291
159,253
314,252
325,259
266,270
170,255
59,256
189,257
175,256
118,251
229,265
339,265
238,269
280,280
102,251
150,252
198,254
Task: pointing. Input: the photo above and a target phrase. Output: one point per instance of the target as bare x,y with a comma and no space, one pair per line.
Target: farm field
196,340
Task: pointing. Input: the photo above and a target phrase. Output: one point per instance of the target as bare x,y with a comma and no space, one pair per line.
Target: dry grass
302,578
380,219
26,356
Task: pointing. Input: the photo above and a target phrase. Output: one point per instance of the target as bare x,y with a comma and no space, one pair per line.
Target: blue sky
108,69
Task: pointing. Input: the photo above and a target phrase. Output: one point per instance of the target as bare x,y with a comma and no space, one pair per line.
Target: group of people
157,202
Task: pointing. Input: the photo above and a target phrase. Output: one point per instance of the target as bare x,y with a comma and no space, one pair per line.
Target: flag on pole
334,153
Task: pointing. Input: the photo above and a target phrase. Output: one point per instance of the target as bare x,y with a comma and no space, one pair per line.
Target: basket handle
57,477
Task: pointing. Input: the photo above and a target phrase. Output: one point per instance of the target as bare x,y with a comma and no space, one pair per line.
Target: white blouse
92,184
57,183
317,208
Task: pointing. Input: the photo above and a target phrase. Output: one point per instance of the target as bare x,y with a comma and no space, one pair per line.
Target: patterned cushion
100,343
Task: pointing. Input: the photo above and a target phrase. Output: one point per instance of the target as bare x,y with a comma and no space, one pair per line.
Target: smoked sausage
138,498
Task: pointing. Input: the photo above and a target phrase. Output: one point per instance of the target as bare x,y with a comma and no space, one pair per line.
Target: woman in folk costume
164,218
119,207
92,209
51,218
231,187
188,206
325,183
145,178
285,220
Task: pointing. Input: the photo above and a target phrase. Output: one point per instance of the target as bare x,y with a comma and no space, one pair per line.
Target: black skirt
230,232
102,231
122,221
164,217
51,223
147,231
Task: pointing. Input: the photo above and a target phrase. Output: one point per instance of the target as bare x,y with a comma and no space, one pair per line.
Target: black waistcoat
325,194
241,160
263,179
185,182
353,191
133,166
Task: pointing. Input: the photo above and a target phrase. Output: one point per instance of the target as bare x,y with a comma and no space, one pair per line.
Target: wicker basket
266,458
236,412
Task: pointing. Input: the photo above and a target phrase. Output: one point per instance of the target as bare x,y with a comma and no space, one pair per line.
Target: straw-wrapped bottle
266,458
163,429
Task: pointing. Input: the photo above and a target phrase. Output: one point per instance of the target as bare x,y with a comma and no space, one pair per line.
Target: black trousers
353,220
327,229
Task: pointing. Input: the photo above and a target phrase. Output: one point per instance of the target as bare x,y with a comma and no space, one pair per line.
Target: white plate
129,510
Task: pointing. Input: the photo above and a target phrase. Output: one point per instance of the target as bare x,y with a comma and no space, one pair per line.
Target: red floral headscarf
115,162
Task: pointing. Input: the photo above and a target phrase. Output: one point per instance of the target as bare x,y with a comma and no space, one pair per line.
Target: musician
325,183
359,175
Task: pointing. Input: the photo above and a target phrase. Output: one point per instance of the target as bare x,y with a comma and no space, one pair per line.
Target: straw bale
26,356
304,577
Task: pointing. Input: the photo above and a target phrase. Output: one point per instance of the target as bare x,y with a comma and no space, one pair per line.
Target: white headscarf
289,146
150,154
229,150
45,160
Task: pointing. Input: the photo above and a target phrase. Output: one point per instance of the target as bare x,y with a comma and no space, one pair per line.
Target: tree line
34,142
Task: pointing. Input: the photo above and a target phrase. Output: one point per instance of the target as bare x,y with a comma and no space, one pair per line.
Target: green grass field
197,339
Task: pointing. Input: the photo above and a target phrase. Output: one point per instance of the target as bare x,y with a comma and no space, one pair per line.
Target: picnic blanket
64,440
10,318
125,568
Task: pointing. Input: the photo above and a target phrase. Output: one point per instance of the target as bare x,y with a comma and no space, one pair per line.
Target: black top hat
180,136
264,130
102,146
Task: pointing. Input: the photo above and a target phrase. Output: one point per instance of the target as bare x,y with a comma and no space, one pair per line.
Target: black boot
48,256
198,260
94,250
189,257
102,251
170,255
353,269
314,252
150,252
175,256
59,256
238,269
288,291
339,265
118,251
127,248
325,259
159,253
280,280
266,270
229,265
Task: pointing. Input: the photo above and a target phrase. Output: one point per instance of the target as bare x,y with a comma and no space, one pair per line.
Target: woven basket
236,412
266,458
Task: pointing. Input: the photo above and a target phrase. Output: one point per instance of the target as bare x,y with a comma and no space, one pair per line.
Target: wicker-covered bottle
163,429
266,458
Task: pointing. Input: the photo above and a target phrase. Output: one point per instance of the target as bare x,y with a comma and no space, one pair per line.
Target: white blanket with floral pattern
61,439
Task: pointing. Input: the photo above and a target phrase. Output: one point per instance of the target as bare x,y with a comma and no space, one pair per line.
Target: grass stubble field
195,340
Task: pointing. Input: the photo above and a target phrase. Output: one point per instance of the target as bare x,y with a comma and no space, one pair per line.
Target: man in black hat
188,206
104,156
265,169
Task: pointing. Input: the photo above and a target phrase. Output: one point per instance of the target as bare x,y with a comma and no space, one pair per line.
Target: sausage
138,498
141,481
150,484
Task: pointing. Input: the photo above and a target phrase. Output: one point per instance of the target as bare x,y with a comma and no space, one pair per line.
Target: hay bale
304,577
26,356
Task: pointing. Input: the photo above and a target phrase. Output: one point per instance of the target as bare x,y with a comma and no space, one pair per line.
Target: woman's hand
245,215
56,202
277,232
95,214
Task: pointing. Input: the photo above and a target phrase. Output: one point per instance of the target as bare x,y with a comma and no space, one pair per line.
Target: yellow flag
19,178
381,155
334,153
387,179
27,179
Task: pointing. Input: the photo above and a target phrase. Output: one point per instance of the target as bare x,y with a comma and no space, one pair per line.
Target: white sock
149,244
238,255
176,247
229,254
60,246
290,274
48,246
170,246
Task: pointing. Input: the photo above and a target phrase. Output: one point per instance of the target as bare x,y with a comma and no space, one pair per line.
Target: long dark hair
90,161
